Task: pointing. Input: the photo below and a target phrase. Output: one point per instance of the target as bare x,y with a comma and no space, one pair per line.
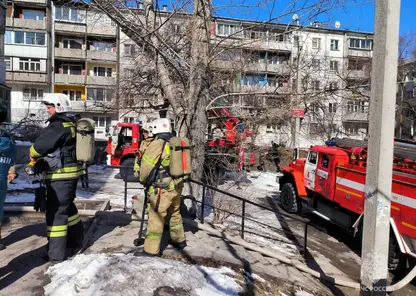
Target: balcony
31,1
101,55
26,24
100,80
26,77
69,53
263,89
362,53
69,79
102,30
71,28
358,74
78,106
355,116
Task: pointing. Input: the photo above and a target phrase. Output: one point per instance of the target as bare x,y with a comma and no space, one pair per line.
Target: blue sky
353,16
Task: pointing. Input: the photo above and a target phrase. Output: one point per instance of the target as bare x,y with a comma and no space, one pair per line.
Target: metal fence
241,215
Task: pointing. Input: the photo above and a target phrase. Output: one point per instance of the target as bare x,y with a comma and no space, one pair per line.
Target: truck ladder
402,149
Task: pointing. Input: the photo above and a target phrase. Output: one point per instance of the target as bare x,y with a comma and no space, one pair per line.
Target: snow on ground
119,274
102,185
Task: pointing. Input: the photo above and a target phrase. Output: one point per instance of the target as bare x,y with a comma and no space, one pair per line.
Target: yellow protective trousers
164,203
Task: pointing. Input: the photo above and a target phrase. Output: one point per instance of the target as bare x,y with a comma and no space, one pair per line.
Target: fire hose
297,264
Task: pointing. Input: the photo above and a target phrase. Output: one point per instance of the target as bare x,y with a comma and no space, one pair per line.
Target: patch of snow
257,278
22,197
23,143
302,293
119,274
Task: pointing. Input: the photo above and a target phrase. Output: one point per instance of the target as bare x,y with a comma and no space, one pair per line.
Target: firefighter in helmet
163,190
7,158
54,154
147,139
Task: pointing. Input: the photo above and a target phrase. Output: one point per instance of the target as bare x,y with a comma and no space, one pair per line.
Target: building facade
4,90
71,50
80,52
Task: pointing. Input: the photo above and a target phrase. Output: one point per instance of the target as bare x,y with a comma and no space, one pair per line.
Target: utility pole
378,186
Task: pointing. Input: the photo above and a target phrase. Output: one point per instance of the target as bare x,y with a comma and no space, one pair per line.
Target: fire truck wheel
288,198
397,260
126,170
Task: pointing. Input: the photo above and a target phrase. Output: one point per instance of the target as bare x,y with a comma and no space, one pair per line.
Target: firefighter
54,154
148,138
7,158
164,194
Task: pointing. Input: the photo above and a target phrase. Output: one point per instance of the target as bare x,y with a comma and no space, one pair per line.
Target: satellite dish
295,17
337,24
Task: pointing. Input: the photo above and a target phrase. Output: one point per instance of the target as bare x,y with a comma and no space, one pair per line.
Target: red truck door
324,175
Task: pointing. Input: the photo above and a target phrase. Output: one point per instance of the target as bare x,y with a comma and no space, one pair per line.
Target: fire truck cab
329,180
122,146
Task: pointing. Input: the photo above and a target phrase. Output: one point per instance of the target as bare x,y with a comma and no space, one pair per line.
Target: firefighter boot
180,246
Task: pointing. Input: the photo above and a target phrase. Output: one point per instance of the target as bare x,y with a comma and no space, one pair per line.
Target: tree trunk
197,96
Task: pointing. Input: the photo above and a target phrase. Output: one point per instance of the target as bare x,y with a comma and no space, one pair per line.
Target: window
333,85
228,30
325,161
8,37
128,119
29,65
316,85
74,95
71,69
356,106
334,44
333,66
33,38
316,43
103,71
294,84
128,73
33,15
101,46
316,64
8,63
296,41
361,43
32,94
100,94
68,14
332,107
102,121
129,50
312,157
72,43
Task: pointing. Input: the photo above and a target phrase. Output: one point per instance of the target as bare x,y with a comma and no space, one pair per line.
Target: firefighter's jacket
7,158
143,146
55,149
150,159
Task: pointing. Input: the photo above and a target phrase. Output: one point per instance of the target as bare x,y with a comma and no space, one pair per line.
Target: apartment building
69,49
4,90
325,71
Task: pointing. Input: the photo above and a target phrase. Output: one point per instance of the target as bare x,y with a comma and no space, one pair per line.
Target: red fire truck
122,146
330,181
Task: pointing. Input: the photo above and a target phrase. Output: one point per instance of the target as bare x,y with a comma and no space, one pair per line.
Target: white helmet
145,127
61,102
161,125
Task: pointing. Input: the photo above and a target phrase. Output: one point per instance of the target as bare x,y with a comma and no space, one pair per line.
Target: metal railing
243,215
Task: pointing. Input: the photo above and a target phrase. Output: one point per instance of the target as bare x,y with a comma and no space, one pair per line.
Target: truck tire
288,198
397,260
127,171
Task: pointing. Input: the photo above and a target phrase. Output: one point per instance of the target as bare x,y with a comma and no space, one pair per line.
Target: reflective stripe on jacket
59,135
